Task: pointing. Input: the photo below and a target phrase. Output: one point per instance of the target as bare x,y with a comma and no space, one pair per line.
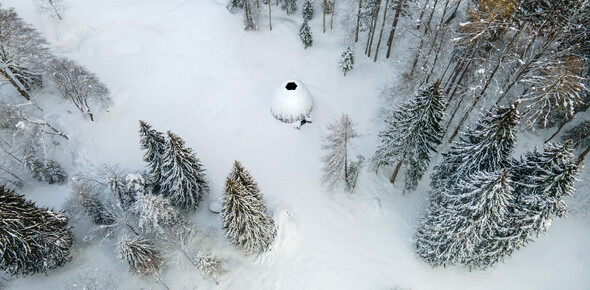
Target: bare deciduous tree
79,85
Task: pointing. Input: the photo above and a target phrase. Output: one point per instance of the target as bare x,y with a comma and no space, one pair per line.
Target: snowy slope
188,66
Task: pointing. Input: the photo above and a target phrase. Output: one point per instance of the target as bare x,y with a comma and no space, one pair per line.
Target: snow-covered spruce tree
77,84
353,171
118,188
141,255
413,132
244,214
305,34
23,52
182,174
32,239
469,226
336,163
290,6
47,171
542,180
85,197
157,216
307,10
153,143
487,146
346,62
235,4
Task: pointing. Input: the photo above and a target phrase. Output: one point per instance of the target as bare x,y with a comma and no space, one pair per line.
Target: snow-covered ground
188,66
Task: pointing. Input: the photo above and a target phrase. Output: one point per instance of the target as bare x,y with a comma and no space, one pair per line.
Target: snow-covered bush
210,266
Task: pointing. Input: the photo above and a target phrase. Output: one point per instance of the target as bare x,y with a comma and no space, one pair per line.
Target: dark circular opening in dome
291,86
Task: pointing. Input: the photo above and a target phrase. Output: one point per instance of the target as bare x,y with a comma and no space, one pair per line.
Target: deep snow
188,66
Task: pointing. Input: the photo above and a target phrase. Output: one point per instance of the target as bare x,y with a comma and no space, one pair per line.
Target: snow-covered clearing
188,66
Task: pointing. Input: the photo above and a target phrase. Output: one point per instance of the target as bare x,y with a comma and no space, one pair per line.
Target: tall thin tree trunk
374,28
426,29
269,16
332,16
394,26
55,9
324,15
358,23
16,84
381,31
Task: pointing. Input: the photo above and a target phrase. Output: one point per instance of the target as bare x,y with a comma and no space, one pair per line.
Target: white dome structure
292,103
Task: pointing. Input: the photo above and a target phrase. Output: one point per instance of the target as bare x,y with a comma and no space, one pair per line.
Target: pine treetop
485,147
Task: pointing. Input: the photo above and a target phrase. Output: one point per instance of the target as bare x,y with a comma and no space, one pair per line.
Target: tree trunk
394,26
55,9
324,15
269,16
374,28
381,31
358,23
16,84
332,16
397,167
582,156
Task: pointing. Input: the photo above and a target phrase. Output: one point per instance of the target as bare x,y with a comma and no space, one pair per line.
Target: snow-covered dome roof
291,102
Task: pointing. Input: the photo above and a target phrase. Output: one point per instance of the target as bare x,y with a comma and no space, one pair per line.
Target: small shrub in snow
210,266
305,34
32,239
244,215
143,258
346,62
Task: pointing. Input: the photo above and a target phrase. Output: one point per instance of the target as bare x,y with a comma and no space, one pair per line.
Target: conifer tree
542,180
347,60
413,132
469,226
307,10
337,167
32,239
182,174
485,147
244,214
305,34
154,145
158,216
85,198
143,258
289,5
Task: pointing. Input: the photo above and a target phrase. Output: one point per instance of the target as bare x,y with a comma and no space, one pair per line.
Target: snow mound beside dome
291,102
